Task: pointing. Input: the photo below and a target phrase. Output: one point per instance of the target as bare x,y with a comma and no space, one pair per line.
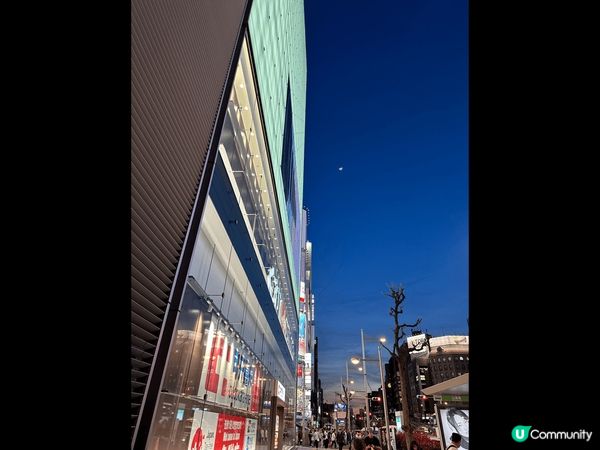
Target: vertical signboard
280,390
302,334
276,440
251,426
308,368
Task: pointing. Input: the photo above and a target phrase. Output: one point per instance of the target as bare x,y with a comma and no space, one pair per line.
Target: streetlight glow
354,360
382,339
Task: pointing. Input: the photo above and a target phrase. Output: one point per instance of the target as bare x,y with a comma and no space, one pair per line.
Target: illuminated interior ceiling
259,201
279,54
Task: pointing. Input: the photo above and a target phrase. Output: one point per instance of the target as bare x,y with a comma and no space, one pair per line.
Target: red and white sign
202,435
302,291
213,431
229,375
230,433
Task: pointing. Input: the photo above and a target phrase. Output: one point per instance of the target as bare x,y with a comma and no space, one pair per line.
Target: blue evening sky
387,100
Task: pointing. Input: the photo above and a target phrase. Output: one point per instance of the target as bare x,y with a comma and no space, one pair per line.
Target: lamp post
350,393
356,360
385,411
362,341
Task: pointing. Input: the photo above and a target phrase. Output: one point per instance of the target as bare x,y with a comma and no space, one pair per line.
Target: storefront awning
454,386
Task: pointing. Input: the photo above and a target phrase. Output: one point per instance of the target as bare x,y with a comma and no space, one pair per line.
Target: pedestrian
358,444
326,436
316,437
341,438
455,439
372,441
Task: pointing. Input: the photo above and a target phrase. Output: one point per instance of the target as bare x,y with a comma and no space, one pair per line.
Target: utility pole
385,411
362,341
303,405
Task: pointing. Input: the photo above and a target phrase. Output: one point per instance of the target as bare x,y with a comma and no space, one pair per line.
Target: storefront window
211,379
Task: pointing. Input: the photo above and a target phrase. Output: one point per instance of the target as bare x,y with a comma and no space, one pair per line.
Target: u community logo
521,433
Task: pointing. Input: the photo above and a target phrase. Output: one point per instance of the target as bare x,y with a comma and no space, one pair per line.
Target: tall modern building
306,354
217,128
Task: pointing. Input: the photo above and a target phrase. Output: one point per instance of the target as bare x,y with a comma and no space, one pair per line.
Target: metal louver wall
181,54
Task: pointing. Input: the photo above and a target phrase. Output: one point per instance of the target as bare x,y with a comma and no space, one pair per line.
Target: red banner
256,385
230,433
212,380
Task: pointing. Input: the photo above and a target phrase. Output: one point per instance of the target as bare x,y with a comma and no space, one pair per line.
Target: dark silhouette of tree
401,355
344,398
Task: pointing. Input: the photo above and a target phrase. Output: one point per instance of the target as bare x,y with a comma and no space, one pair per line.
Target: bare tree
344,398
401,355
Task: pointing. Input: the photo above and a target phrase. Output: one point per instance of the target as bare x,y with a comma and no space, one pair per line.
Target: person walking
372,441
326,436
341,438
455,439
316,437
358,443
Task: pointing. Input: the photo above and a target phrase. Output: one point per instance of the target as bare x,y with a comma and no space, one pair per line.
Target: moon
341,168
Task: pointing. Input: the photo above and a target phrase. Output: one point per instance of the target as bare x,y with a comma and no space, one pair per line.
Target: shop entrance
277,424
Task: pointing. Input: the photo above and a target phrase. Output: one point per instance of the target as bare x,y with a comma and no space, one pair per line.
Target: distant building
446,357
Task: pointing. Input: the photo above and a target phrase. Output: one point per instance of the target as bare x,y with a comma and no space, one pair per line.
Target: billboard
229,375
302,334
215,431
280,391
308,369
415,341
398,420
454,420
251,426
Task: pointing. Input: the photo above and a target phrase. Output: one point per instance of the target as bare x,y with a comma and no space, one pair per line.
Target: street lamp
383,389
355,360
363,369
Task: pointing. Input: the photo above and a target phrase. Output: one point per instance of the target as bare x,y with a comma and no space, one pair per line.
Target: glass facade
211,379
236,338
290,184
